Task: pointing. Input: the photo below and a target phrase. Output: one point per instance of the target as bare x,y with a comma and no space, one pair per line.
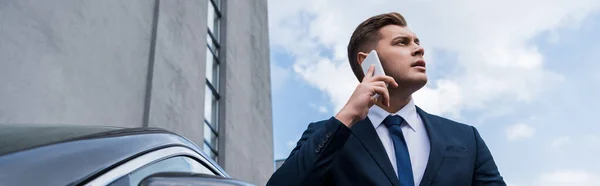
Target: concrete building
199,68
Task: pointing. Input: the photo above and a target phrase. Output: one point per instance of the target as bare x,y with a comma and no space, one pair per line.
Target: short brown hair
366,33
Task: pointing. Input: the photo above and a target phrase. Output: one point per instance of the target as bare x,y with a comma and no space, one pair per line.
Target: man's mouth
418,63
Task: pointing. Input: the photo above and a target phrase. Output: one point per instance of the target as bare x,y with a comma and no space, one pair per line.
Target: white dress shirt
414,133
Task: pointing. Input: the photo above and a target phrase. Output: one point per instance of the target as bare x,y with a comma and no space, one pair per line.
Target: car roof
18,137
82,154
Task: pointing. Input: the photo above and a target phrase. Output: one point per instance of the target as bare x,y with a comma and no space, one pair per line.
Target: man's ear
361,57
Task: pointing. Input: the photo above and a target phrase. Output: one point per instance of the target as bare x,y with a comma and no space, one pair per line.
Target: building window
212,96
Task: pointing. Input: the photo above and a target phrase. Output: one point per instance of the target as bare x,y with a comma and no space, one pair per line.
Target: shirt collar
408,113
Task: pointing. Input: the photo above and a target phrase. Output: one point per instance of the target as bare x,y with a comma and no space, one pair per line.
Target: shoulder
454,130
448,125
448,122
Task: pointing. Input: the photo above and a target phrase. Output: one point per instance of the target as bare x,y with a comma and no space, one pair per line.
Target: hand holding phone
373,84
373,59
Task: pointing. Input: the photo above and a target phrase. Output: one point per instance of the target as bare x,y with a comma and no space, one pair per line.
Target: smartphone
373,59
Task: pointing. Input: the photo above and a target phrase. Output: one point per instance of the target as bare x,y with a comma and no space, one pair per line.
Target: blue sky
526,76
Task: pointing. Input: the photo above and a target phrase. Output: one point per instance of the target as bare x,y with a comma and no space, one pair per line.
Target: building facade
199,68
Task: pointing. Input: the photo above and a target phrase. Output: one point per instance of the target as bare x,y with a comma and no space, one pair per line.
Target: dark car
94,155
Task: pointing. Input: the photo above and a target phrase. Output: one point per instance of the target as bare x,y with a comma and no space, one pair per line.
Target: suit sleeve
486,172
313,155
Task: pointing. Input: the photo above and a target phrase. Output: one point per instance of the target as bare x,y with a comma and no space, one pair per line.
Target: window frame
213,45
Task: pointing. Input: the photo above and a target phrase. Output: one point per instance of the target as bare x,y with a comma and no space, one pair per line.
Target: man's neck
396,103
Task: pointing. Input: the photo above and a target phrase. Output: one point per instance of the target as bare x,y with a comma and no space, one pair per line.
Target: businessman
388,140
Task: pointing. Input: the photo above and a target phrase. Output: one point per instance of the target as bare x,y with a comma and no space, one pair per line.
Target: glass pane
213,21
211,17
212,70
212,44
208,106
209,152
210,136
215,83
206,149
209,66
175,164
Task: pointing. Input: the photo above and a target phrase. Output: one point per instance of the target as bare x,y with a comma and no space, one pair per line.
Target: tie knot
393,120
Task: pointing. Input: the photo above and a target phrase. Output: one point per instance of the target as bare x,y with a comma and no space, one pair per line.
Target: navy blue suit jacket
329,153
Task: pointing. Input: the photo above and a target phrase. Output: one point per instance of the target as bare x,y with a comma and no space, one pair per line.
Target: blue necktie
405,174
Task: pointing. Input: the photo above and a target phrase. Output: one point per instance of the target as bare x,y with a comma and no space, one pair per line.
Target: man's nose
419,50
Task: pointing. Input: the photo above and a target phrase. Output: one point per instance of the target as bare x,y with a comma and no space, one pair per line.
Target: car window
174,164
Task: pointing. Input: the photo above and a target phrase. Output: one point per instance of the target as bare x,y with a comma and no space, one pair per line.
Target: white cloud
593,138
553,37
489,116
569,178
490,39
519,131
560,142
445,98
339,88
321,109
290,144
591,141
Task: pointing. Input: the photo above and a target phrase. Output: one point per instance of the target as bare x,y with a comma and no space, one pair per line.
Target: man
388,141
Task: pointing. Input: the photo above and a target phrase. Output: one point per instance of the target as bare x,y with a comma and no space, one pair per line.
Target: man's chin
418,78
418,81
412,84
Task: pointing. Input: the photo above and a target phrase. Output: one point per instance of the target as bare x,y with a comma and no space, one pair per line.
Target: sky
523,72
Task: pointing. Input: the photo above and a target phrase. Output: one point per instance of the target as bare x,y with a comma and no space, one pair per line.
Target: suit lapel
366,134
436,141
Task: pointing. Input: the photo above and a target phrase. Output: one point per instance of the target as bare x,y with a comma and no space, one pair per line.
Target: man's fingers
386,79
379,84
383,93
374,100
369,72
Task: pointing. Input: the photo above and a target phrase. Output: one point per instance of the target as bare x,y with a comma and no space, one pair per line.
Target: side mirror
189,179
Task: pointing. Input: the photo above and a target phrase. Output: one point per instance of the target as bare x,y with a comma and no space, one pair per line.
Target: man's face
402,56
